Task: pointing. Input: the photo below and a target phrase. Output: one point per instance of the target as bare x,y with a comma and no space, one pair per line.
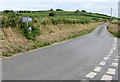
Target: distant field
63,13
66,14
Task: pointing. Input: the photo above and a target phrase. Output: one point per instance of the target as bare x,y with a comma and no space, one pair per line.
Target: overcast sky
96,6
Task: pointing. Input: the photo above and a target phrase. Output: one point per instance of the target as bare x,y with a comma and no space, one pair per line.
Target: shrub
52,14
77,11
83,11
30,34
11,19
51,10
96,19
59,10
6,54
8,11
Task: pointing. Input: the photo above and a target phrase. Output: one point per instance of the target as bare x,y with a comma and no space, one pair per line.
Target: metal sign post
26,20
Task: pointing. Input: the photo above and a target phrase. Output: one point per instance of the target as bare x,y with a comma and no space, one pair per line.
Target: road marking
116,60
106,58
102,63
108,54
91,75
106,77
111,52
113,48
111,71
117,57
97,69
114,64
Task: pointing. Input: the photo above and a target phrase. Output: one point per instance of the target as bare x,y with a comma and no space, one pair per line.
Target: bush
51,10
52,14
6,54
8,11
59,10
11,19
83,11
77,11
96,19
30,34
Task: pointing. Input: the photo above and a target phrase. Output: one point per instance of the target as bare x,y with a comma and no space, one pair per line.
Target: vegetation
51,10
77,11
46,28
52,14
59,10
114,28
83,11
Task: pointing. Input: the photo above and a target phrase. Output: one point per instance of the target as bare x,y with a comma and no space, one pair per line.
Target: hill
44,29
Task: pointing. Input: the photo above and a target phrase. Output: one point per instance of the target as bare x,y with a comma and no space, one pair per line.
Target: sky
95,6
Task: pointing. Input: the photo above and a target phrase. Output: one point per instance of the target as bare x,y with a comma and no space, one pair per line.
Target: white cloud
59,1
89,5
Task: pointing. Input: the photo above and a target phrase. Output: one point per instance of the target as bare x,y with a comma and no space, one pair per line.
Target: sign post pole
27,21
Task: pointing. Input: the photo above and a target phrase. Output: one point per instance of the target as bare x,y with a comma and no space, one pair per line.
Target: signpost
26,20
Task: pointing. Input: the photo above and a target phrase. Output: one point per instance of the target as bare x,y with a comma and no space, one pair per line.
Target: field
46,30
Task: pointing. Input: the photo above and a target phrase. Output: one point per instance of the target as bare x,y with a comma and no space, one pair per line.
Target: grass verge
113,28
14,43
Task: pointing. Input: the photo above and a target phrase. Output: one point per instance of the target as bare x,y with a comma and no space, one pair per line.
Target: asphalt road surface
90,57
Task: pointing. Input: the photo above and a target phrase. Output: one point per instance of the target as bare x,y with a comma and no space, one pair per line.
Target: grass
64,32
114,28
65,25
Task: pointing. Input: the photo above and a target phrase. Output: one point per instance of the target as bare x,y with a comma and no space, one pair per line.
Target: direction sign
26,19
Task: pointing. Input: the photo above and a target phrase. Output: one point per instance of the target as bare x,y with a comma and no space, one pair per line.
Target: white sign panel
26,19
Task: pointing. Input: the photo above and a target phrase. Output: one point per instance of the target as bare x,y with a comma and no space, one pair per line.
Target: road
90,57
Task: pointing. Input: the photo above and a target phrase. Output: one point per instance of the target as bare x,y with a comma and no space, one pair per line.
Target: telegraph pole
111,12
111,15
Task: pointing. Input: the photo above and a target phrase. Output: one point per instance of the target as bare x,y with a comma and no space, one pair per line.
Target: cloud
97,7
59,1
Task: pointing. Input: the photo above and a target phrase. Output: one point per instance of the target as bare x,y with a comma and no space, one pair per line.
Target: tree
83,11
51,9
8,11
77,11
59,10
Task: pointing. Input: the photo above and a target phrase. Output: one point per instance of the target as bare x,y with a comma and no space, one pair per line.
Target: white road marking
106,58
111,71
113,48
102,63
111,52
108,54
114,64
97,69
91,75
116,60
106,77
